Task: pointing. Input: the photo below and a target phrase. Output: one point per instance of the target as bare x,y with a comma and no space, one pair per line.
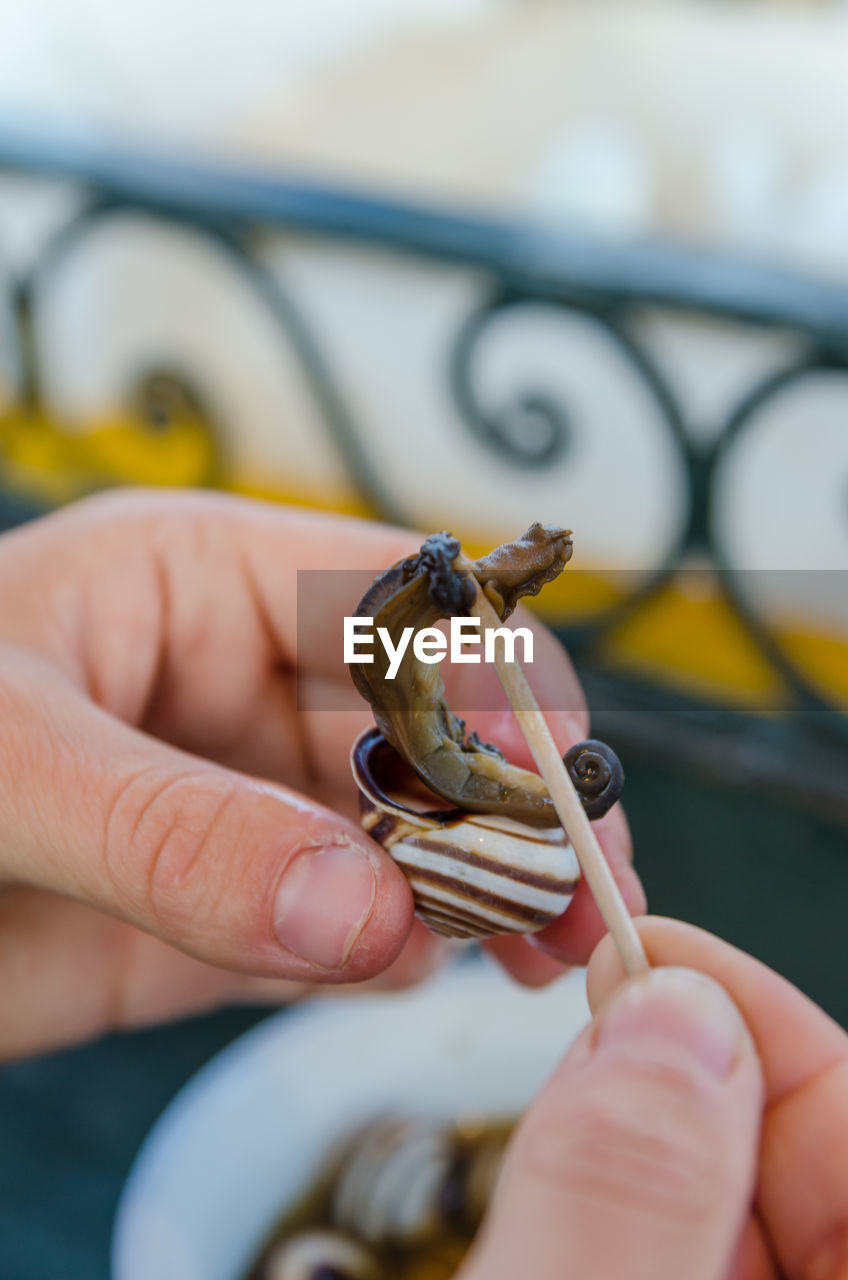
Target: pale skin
638,1160
161,795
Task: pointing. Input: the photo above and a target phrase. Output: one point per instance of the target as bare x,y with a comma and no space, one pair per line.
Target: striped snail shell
390,1185
471,1182
405,1181
472,875
321,1255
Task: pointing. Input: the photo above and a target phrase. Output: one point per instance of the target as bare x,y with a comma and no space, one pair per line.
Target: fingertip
674,1012
421,956
390,925
641,1145
526,963
572,938
627,879
604,973
341,909
613,832
605,970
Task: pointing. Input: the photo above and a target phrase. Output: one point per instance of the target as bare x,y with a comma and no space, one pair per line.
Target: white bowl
246,1135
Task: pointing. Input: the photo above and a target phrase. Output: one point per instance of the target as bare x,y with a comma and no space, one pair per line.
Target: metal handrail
520,262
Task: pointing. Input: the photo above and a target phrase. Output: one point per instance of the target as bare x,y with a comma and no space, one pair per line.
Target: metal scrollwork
553,435
733,578
155,393
532,427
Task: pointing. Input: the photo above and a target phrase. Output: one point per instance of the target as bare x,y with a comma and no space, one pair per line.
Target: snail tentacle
597,774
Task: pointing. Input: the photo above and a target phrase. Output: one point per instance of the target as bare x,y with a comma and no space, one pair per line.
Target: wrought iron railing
804,751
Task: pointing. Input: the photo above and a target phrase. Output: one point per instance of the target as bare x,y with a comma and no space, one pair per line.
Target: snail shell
596,772
471,875
390,1186
321,1255
472,1180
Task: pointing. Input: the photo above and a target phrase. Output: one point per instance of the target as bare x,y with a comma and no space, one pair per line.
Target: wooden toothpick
565,799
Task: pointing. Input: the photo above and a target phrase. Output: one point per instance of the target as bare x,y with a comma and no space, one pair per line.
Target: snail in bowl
497,860
400,1198
321,1255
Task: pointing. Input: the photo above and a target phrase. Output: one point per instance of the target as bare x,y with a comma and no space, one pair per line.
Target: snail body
411,711
472,875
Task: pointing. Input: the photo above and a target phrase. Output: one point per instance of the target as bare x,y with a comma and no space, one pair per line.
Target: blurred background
464,264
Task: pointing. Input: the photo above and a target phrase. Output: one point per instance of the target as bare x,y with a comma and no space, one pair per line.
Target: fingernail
323,903
674,1008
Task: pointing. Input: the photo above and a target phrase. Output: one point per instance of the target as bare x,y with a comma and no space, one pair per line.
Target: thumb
638,1158
240,873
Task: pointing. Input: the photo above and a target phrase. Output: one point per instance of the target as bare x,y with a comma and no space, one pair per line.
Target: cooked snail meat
411,710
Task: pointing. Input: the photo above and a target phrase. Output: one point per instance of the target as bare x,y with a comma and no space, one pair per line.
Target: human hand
676,1139
158,851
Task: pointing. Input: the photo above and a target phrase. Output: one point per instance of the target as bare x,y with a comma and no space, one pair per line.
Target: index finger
802,1192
